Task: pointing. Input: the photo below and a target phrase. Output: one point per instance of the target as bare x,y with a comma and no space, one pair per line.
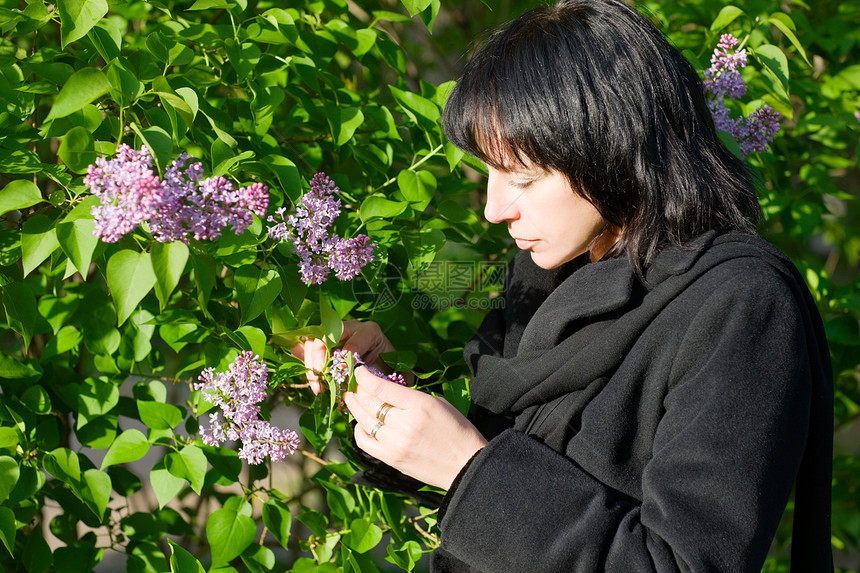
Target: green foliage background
99,466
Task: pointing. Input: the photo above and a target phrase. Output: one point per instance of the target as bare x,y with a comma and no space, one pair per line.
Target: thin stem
413,167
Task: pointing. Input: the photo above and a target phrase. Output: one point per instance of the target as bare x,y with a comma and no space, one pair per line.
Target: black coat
645,428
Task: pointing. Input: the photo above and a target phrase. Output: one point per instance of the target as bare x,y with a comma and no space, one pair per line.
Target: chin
548,263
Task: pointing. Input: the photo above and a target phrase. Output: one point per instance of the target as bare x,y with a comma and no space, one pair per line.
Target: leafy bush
100,455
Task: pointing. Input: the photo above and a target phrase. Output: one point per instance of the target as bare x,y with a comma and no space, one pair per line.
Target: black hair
592,89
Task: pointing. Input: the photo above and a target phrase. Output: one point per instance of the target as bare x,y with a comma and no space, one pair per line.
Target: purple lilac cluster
183,203
237,393
723,80
309,230
339,369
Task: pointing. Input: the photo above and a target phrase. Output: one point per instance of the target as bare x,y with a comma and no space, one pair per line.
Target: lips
525,244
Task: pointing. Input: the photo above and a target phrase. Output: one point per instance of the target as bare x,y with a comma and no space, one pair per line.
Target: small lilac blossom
203,207
857,115
723,80
320,252
348,256
128,190
238,393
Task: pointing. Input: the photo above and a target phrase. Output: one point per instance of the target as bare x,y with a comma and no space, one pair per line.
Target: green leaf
38,241
9,473
417,187
159,416
78,241
415,6
97,397
212,4
36,399
130,277
252,338
19,194
106,40
276,517
189,463
785,24
259,559
8,437
21,311
181,561
331,322
129,446
77,17
165,485
7,528
83,87
378,207
726,16
158,141
66,339
229,534
63,464
343,121
256,290
287,174
78,149
422,246
420,109
37,555
96,491
775,61
363,536
168,263
15,370
179,105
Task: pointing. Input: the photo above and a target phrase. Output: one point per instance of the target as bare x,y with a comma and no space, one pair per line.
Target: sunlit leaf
130,277
129,446
81,88
77,17
19,194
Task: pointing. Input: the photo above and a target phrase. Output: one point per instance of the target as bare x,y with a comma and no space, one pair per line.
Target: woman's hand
365,338
423,436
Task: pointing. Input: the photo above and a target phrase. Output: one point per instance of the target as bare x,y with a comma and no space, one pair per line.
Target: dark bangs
590,88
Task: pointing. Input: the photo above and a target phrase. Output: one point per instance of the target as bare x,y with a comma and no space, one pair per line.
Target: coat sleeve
725,454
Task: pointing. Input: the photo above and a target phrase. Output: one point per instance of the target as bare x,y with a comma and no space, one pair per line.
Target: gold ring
375,429
382,411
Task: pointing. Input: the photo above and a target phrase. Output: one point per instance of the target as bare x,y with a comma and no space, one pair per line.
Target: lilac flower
723,80
203,207
182,204
309,230
348,256
129,191
238,393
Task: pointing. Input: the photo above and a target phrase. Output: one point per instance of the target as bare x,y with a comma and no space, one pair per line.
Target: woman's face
543,214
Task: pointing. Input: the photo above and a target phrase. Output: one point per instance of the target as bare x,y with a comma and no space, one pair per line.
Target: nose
501,205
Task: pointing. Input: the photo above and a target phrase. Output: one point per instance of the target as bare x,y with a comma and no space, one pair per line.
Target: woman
658,378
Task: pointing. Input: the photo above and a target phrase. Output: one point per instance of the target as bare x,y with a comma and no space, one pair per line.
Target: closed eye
521,184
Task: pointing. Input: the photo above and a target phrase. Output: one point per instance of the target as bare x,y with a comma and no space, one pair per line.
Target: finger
298,350
364,416
385,390
313,356
371,444
367,339
376,409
